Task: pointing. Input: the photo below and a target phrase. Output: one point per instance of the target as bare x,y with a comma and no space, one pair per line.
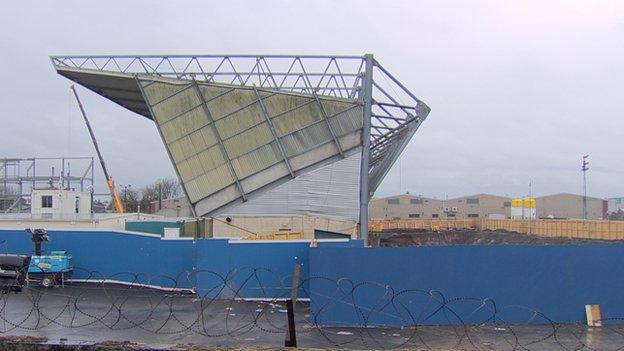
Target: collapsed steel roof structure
236,125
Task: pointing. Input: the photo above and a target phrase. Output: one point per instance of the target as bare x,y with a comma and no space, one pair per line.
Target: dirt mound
467,237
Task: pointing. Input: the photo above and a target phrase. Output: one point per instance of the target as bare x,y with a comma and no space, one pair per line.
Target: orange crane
117,204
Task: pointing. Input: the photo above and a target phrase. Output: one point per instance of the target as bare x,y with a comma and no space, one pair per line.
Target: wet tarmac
89,314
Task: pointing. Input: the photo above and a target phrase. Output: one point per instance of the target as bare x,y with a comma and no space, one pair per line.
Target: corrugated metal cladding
221,137
331,190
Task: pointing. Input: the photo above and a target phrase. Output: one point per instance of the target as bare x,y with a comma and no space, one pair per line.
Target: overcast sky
519,90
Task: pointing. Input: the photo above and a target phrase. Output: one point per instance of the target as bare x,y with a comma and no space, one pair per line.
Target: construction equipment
13,272
117,204
49,269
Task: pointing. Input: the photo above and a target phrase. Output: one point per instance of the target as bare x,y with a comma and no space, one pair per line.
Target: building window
396,218
434,215
472,215
414,215
394,201
450,215
416,201
472,201
46,201
507,204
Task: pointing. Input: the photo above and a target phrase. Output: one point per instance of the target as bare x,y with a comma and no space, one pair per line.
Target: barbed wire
345,313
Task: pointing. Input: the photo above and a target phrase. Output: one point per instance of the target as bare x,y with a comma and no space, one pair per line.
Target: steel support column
367,87
265,113
326,118
219,139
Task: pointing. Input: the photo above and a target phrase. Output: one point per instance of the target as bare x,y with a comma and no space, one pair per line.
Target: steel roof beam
220,140
280,146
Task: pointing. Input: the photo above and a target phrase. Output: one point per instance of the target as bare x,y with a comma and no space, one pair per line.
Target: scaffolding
19,176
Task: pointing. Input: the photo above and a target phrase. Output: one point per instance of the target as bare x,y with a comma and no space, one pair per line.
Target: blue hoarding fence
444,285
349,285
213,268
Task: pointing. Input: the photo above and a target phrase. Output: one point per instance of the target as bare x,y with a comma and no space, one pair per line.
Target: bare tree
169,188
166,188
134,199
130,198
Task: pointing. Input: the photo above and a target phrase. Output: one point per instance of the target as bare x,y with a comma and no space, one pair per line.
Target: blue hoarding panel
115,255
513,284
214,267
254,269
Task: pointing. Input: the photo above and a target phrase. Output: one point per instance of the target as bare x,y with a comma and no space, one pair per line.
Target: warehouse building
483,206
405,206
410,206
478,206
566,205
615,204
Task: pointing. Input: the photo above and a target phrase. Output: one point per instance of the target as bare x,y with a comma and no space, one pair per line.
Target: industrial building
170,208
566,205
483,206
615,204
410,206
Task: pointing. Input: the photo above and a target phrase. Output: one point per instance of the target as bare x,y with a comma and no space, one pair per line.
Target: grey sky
519,90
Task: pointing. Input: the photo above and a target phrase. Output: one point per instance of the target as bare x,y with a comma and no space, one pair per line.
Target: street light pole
584,169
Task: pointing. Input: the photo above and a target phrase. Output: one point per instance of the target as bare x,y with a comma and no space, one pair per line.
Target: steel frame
215,130
277,139
392,114
258,100
25,174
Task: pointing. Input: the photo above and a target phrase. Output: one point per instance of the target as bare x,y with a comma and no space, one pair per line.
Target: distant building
615,204
171,208
405,206
58,203
478,206
482,206
566,205
410,206
523,208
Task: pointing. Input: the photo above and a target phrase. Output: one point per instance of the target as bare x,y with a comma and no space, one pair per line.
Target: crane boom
117,204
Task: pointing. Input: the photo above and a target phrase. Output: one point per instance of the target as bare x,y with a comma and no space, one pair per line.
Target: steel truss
392,114
18,176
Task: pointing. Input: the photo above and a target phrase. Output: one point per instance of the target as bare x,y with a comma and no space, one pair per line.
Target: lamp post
584,169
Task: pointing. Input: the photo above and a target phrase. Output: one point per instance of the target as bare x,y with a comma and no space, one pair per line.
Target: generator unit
52,269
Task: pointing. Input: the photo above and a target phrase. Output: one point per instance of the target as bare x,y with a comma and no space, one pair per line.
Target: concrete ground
79,317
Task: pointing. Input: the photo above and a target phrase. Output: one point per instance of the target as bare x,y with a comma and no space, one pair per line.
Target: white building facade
56,203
